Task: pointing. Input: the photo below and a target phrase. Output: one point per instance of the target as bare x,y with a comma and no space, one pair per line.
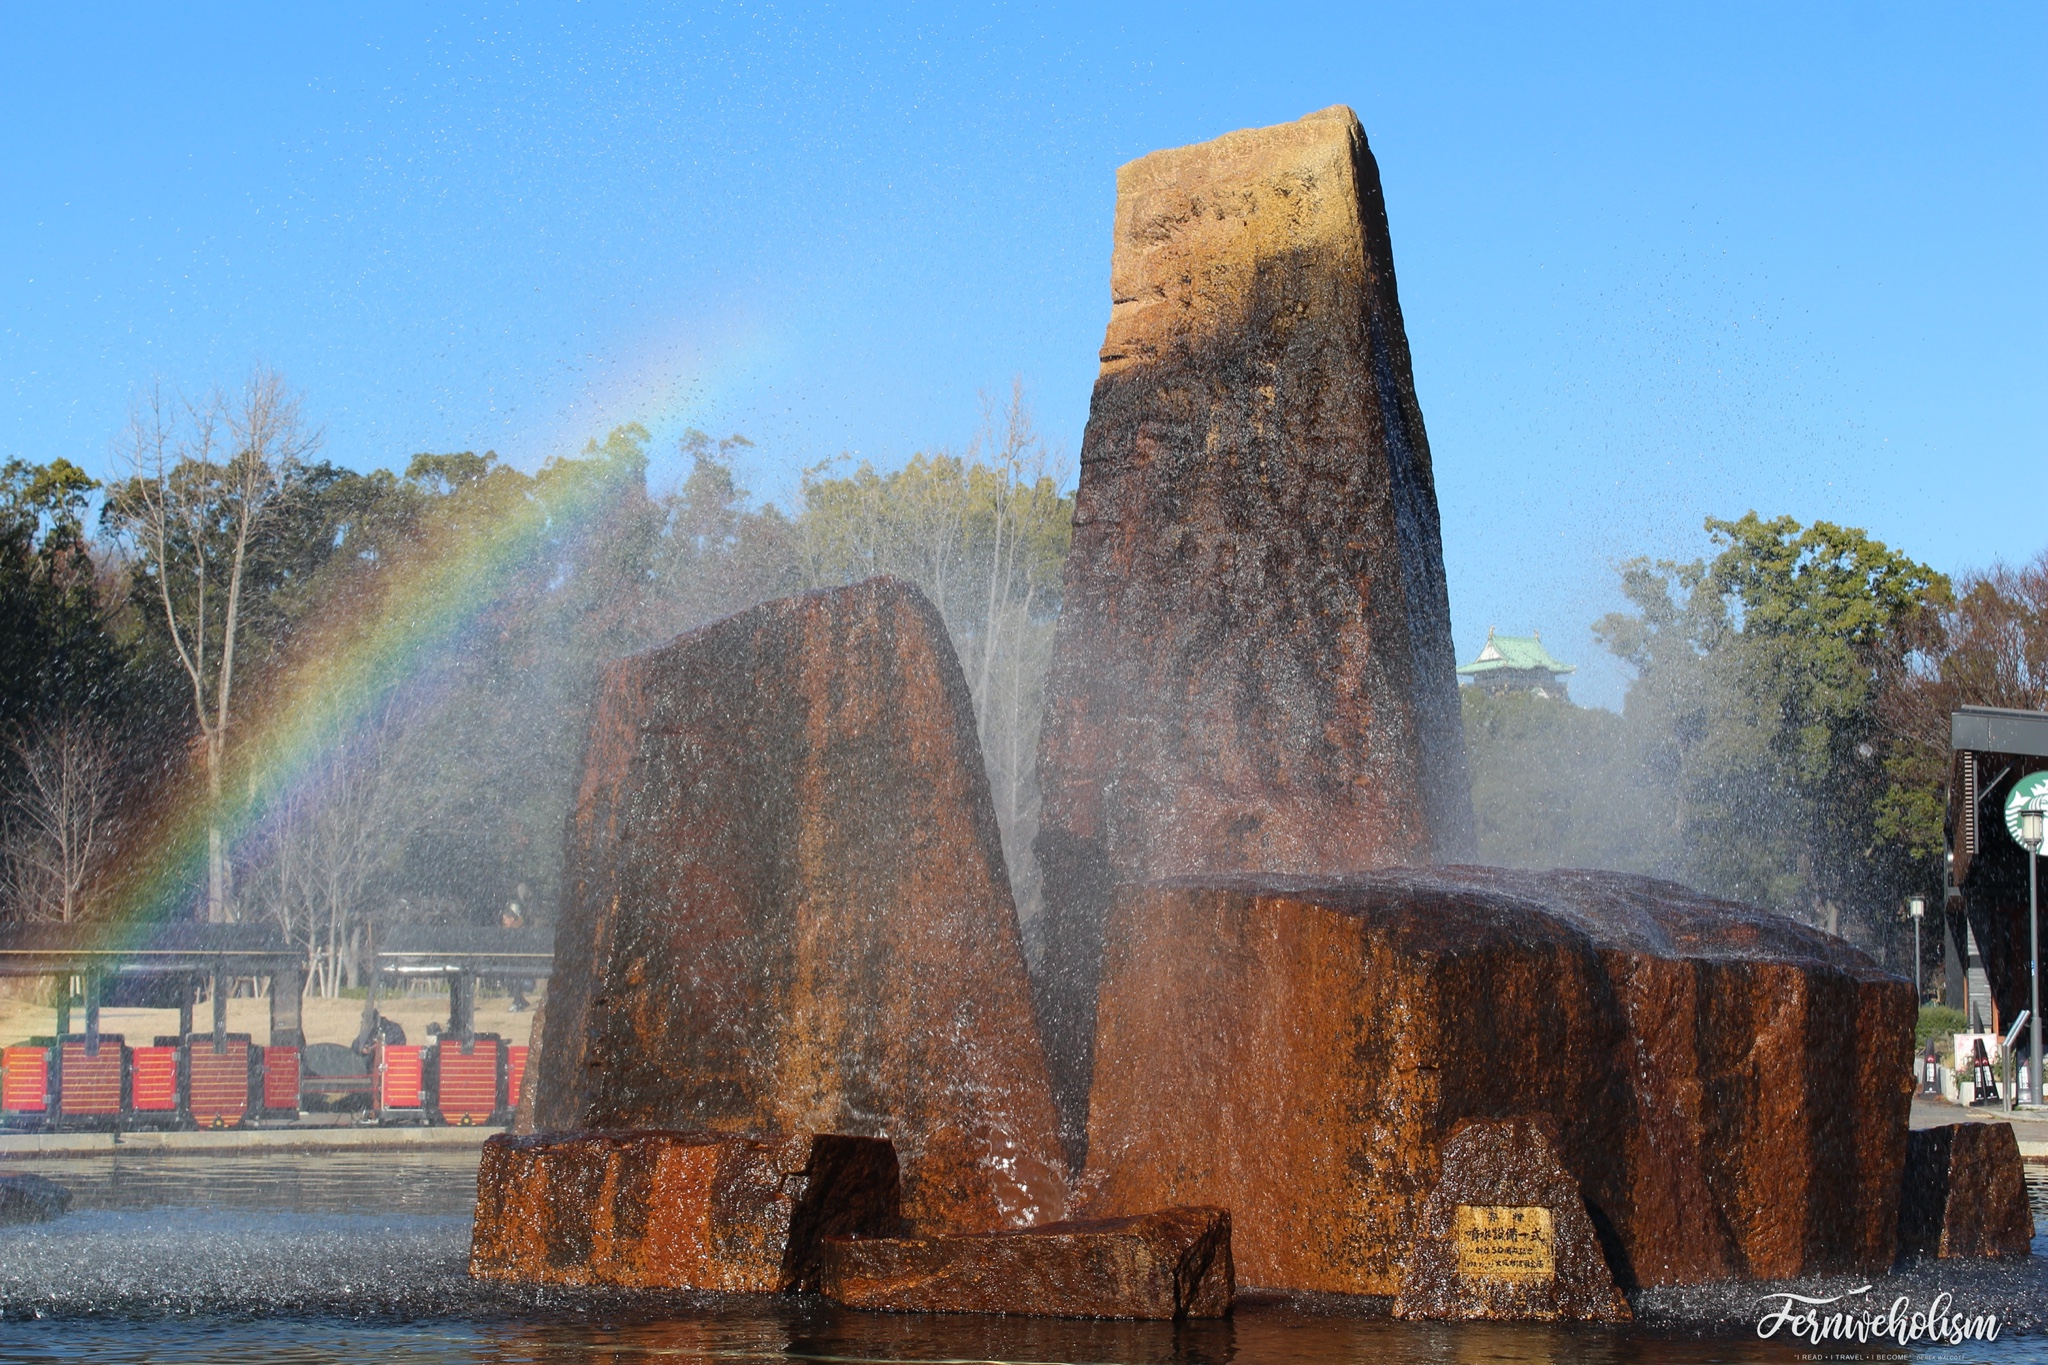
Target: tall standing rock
788,912
1253,670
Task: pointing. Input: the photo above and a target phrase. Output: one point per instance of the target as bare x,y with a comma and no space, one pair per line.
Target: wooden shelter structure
96,956
93,958
464,956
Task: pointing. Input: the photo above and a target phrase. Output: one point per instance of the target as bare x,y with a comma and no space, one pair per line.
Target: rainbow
386,625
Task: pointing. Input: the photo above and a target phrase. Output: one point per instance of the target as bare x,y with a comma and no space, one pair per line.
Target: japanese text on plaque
1497,1242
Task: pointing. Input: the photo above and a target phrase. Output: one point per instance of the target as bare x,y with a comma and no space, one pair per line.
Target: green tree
58,657
1758,680
1557,785
985,536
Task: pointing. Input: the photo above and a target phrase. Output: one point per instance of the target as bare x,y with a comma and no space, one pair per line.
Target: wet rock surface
1505,1235
31,1199
1253,668
665,1210
1730,1088
787,908
1171,1264
1965,1194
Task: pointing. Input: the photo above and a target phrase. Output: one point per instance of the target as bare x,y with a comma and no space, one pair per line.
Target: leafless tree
338,834
60,809
202,477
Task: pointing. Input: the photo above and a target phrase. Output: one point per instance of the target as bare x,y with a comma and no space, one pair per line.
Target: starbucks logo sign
2029,790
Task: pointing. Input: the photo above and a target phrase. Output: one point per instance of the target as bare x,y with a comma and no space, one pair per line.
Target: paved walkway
305,1139
2030,1126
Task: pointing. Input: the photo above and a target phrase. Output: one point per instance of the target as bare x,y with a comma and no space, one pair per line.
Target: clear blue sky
1658,262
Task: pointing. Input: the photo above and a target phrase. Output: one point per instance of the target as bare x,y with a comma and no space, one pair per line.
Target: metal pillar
93,987
188,990
1918,998
2034,975
220,1011
287,996
462,1008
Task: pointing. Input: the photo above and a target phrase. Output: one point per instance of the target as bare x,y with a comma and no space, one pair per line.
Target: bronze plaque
1505,1242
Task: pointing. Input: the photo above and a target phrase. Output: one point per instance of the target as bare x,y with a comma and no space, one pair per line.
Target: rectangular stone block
1171,1264
1965,1194
675,1210
1730,1087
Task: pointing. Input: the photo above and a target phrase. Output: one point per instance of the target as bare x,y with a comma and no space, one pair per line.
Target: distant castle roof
1517,653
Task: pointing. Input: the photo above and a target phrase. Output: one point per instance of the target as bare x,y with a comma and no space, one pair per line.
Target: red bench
25,1083
468,1080
280,1082
217,1084
153,1081
401,1083
90,1078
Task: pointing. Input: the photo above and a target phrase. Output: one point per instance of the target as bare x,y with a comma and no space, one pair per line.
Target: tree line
230,558
1784,737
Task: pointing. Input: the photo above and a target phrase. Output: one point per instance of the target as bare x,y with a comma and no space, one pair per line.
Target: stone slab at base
1171,1264
675,1210
1964,1194
1504,1236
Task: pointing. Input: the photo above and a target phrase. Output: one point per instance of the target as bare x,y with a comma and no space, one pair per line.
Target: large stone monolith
1729,1088
787,910
1253,669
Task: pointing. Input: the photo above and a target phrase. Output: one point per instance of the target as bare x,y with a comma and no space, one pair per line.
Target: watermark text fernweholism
1817,1320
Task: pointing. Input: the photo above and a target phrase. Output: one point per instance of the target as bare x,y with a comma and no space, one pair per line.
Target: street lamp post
2031,831
1917,907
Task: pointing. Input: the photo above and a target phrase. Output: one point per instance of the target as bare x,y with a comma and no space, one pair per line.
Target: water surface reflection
310,1258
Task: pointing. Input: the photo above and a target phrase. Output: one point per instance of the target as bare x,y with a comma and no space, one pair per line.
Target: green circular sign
2029,790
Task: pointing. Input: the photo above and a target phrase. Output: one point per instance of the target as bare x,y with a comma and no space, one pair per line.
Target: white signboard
1966,1053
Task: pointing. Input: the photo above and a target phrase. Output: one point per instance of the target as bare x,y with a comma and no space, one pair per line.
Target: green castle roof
1513,652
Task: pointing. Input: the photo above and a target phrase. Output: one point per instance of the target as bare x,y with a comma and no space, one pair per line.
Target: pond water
299,1258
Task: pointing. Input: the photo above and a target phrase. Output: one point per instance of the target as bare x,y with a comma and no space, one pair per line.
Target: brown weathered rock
659,1210
787,908
1171,1264
1253,670
1504,1235
1965,1193
1730,1087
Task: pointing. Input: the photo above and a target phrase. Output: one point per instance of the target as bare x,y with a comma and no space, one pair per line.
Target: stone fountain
1287,1037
